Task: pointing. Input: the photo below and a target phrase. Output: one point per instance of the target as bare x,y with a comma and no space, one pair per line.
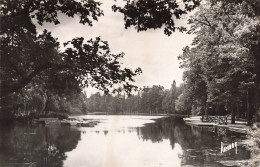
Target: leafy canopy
153,14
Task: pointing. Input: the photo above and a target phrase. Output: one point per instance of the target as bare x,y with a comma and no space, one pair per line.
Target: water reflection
41,146
118,141
201,145
122,149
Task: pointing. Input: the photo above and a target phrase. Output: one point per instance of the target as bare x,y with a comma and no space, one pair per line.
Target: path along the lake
239,126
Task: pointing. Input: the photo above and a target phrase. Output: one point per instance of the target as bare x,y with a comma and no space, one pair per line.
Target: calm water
119,141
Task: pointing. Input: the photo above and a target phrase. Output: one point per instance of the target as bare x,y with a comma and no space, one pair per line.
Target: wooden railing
216,119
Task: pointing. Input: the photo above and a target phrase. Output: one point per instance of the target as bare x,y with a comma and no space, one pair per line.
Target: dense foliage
221,67
253,144
153,14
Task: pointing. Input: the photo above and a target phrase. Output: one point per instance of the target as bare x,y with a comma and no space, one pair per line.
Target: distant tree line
149,100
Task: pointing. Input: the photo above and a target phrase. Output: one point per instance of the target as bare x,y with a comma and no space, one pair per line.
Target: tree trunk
206,112
217,109
257,83
249,113
238,111
233,114
47,104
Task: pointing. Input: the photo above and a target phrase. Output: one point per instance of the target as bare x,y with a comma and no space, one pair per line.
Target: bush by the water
254,147
55,115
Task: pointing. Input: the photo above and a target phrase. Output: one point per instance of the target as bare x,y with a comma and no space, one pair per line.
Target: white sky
152,50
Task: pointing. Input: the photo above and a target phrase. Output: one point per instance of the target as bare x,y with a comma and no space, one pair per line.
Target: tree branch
199,21
7,88
207,21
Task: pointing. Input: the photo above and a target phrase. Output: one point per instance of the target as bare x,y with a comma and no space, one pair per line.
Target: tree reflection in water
201,145
41,146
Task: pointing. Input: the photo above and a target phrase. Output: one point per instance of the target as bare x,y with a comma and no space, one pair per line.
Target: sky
153,51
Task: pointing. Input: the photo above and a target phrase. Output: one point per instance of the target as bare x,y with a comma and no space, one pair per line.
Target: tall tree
26,55
226,65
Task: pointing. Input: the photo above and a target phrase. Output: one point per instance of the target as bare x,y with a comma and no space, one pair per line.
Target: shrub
55,115
254,147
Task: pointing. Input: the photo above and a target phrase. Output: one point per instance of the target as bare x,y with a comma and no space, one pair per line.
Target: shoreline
239,126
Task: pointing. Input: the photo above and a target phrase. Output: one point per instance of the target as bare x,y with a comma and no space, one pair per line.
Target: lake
119,141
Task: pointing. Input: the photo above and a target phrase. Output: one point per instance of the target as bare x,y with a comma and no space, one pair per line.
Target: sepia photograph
129,83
